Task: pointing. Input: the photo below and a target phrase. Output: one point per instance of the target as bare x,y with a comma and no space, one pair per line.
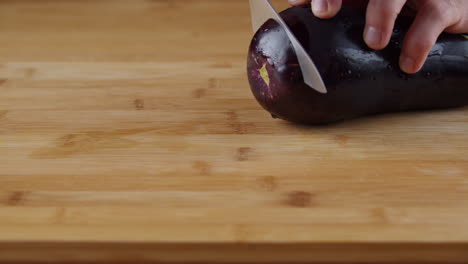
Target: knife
263,10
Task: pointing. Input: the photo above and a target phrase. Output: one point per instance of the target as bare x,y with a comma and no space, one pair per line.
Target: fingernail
407,64
373,36
320,6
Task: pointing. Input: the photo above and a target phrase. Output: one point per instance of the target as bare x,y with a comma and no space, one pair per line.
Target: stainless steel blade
261,11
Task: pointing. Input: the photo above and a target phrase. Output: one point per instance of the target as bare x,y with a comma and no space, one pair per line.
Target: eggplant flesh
359,81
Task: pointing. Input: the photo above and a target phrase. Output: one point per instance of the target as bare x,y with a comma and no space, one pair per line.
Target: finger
431,20
326,8
380,20
460,20
298,2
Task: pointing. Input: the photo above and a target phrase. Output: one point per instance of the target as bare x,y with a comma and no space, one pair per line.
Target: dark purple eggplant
360,81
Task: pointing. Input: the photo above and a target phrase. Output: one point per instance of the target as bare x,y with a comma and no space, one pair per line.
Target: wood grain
128,133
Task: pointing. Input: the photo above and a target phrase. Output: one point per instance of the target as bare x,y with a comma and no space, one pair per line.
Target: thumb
326,8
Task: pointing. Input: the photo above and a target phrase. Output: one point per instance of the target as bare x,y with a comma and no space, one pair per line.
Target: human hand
432,18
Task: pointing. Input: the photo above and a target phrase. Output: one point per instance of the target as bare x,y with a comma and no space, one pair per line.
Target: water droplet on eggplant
435,53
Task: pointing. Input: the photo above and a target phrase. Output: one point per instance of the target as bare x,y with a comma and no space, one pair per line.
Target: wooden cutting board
128,133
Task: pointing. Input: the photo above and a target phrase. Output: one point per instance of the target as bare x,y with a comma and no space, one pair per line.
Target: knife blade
263,10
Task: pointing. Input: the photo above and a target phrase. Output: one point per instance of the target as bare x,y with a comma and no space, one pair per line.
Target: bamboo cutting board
128,133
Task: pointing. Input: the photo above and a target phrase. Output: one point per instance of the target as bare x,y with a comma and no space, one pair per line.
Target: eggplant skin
360,81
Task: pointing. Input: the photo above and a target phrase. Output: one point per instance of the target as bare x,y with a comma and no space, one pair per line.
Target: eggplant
360,81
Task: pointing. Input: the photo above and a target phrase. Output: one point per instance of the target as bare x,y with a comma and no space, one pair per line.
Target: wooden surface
128,133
